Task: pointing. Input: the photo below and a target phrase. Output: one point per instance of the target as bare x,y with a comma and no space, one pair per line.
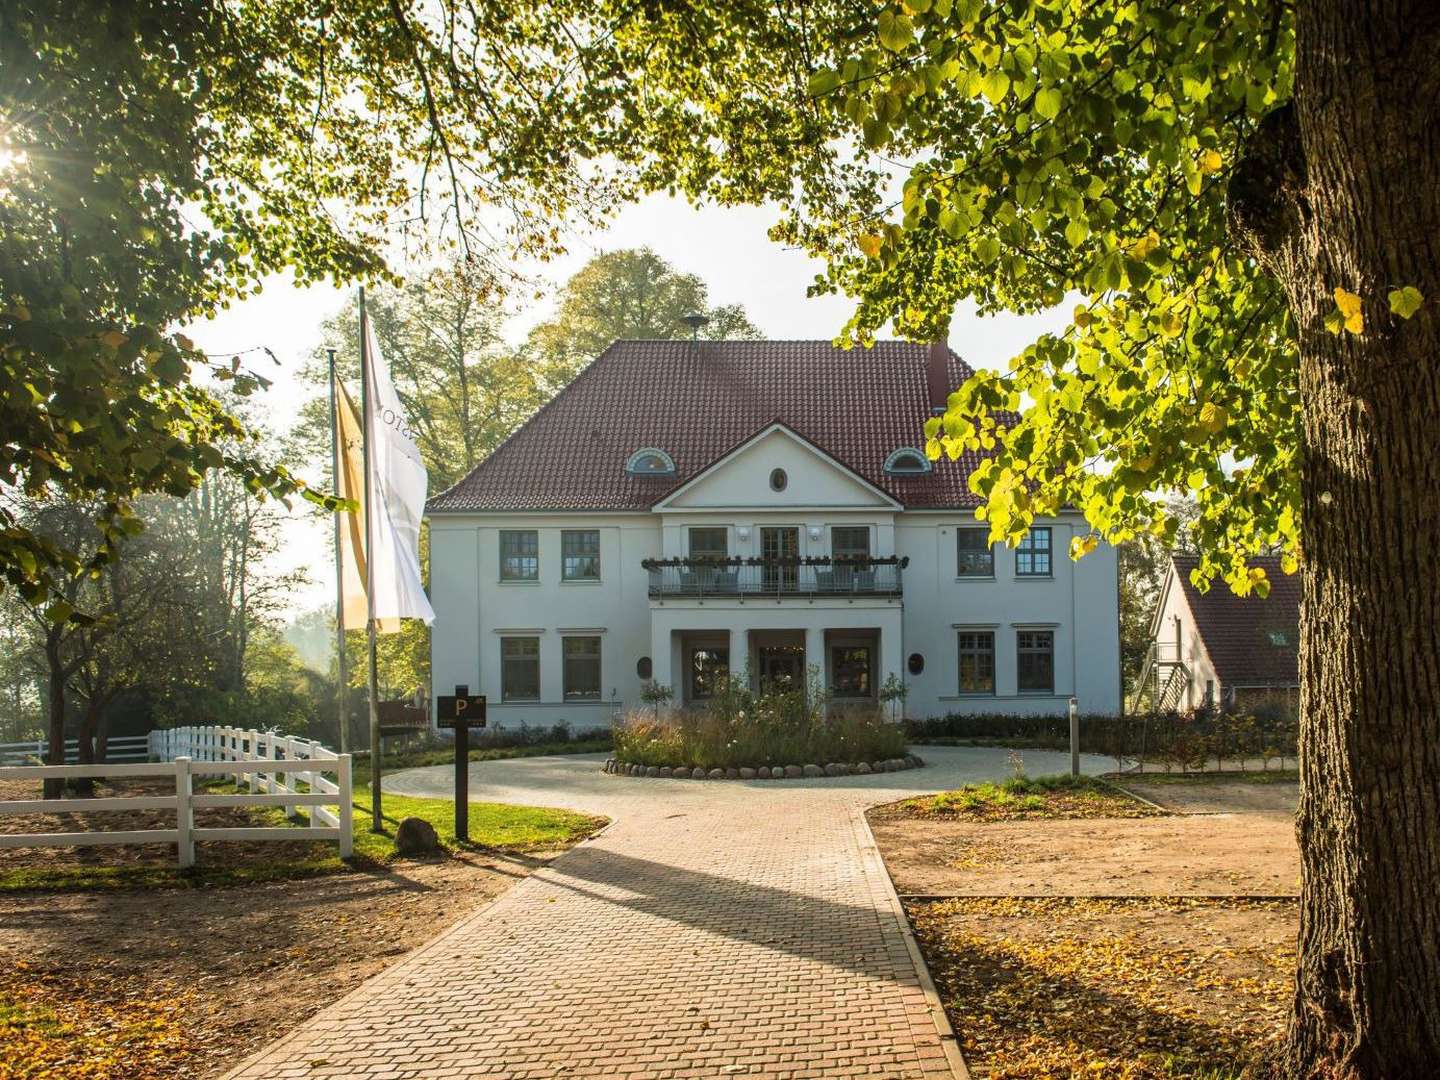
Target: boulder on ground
697,773
416,836
666,772
717,774
836,769
763,773
652,770
814,770
863,769
747,774
915,760
732,774
793,772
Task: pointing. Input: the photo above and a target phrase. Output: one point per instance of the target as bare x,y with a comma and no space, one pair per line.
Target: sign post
1074,737
460,713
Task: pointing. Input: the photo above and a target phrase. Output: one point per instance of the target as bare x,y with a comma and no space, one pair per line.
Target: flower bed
737,729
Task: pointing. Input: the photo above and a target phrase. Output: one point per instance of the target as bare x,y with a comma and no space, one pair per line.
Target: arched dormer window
907,461
650,461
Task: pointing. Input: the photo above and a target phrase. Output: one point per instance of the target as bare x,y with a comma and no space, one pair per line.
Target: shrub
738,728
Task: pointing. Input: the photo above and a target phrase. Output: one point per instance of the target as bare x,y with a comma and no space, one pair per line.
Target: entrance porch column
815,654
892,654
740,656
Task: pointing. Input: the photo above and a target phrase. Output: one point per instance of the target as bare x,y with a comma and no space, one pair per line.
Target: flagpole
339,569
367,407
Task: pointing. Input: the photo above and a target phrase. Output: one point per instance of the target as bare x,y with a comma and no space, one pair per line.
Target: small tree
893,692
657,694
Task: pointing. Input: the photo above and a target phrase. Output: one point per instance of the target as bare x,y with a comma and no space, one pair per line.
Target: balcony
745,579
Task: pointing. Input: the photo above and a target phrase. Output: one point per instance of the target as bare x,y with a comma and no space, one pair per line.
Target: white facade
853,629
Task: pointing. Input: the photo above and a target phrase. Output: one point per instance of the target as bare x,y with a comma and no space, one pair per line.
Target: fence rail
121,748
278,769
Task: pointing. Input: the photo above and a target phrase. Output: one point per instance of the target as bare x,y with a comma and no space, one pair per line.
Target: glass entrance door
780,548
782,668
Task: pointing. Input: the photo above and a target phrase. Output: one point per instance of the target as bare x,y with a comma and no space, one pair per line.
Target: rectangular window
977,661
1035,661
709,543
1032,556
973,555
520,669
519,555
582,668
850,542
850,671
709,668
580,554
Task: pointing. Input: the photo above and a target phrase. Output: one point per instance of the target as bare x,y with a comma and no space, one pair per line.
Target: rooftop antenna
695,321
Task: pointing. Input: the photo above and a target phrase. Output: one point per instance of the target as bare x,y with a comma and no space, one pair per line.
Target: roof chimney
937,374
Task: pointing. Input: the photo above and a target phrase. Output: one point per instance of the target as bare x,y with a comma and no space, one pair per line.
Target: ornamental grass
737,728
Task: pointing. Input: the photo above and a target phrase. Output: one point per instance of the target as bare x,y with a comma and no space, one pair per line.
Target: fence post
346,810
184,814
288,779
253,741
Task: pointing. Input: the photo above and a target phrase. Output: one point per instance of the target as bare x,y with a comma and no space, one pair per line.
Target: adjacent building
1218,650
687,511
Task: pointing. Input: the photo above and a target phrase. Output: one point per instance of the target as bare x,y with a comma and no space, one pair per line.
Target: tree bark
55,703
1343,189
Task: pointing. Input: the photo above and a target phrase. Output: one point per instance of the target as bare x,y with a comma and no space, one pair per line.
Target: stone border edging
765,772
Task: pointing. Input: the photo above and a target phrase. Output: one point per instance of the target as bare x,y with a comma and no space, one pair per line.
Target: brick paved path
715,929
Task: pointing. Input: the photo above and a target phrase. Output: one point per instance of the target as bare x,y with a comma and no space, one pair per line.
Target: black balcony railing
744,578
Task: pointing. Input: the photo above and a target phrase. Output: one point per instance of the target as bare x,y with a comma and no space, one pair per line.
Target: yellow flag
350,484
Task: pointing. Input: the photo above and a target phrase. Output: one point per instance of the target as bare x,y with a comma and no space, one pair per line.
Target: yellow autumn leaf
1210,161
870,244
1213,418
1349,305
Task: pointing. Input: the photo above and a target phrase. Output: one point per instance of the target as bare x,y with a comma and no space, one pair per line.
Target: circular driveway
577,782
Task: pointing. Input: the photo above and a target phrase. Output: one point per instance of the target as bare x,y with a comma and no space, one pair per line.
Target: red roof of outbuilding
697,402
1237,629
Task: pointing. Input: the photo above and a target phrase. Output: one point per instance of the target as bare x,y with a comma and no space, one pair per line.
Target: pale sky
726,248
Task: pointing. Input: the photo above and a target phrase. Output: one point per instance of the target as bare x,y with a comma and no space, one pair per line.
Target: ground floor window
520,669
709,668
977,661
1035,661
582,668
850,670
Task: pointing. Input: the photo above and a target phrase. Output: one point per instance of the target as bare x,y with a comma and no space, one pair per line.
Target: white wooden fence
121,748
280,771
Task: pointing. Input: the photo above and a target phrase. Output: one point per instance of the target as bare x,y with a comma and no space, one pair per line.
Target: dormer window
650,462
907,461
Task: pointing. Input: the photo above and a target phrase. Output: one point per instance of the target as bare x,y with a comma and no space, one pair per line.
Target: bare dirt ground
183,965
160,983
1145,989
1224,838
1217,796
1044,973
1156,856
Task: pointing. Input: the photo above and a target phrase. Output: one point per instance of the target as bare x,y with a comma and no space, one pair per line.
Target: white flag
398,484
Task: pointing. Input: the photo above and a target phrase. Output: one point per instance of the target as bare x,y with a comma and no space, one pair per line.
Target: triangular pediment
742,479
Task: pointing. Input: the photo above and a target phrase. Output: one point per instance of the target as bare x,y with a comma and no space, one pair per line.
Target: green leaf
995,85
1406,301
896,31
1048,102
823,82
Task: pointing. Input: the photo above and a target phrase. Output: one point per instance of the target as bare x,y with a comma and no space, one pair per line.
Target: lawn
494,827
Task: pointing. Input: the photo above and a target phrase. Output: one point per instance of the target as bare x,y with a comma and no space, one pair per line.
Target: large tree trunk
1343,190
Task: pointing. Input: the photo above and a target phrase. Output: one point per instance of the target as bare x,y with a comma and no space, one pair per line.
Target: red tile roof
1236,629
699,401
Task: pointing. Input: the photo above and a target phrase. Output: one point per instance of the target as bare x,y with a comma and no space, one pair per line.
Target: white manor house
685,511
